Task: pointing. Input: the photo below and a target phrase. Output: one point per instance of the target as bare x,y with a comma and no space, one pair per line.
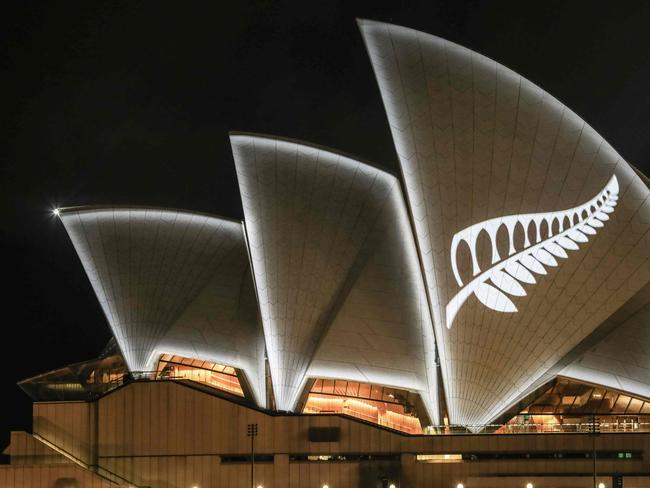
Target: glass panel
391,415
389,395
375,393
318,386
80,381
548,409
181,368
364,390
608,402
581,399
635,406
598,394
328,386
566,402
340,387
353,389
646,408
621,404
439,458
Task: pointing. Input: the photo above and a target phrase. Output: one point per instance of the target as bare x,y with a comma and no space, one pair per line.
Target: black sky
131,103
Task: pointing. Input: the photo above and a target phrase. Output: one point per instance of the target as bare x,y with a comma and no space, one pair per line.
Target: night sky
131,103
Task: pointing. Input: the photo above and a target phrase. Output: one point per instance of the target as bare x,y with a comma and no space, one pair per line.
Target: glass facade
389,407
216,375
573,406
79,381
89,379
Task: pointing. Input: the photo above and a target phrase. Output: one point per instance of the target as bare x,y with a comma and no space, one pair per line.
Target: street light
252,433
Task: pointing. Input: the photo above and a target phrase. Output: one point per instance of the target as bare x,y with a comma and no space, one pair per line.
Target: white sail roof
491,162
530,256
172,282
336,269
620,360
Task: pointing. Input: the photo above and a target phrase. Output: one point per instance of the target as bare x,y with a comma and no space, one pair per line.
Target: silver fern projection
493,286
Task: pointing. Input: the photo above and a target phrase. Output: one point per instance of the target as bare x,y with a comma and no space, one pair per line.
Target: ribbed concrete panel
383,333
331,250
622,359
172,282
478,142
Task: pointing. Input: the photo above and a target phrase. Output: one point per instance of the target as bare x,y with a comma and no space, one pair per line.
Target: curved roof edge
319,147
361,23
386,45
100,208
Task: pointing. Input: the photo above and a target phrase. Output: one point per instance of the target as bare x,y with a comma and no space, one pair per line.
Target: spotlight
460,485
392,485
56,212
529,485
601,485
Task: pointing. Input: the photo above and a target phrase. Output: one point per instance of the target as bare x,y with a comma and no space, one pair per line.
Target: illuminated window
319,458
439,458
216,375
80,381
570,406
385,406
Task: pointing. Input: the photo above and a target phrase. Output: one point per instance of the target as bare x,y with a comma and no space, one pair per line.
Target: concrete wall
68,425
168,435
50,476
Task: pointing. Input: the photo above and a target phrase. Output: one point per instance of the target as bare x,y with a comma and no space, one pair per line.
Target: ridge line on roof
108,207
319,147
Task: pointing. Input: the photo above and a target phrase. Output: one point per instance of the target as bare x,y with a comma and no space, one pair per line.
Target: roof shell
480,145
171,281
337,275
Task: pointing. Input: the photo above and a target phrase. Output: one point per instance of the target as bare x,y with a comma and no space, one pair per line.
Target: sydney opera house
478,320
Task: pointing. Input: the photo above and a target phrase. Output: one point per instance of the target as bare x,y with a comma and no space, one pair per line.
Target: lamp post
595,430
252,433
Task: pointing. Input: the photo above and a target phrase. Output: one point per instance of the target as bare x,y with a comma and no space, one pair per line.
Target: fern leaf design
493,286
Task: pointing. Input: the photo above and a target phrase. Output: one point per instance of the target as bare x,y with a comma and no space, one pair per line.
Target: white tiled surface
622,359
336,269
477,141
172,282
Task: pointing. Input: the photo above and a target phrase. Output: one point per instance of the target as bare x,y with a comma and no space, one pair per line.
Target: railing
94,468
552,424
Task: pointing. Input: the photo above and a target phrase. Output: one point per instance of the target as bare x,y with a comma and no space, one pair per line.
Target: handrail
89,467
607,423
